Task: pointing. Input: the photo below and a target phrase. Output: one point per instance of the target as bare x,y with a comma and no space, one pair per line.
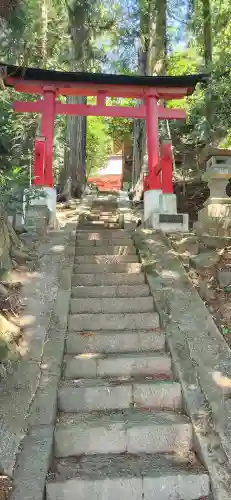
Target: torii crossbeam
49,85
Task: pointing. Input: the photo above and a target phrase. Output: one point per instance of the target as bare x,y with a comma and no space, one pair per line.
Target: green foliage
120,128
98,143
17,133
216,96
43,33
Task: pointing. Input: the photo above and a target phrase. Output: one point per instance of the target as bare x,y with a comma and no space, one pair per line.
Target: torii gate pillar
152,195
43,151
43,155
168,202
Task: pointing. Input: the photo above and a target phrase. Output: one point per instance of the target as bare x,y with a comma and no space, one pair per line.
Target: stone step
90,226
134,267
118,365
102,239
105,242
129,477
111,291
92,221
114,341
94,216
117,394
125,321
130,431
111,305
106,249
103,218
106,259
102,213
102,234
108,279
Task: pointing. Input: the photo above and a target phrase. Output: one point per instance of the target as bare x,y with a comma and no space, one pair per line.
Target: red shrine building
48,86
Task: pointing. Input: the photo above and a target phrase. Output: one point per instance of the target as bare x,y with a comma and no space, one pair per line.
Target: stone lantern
215,216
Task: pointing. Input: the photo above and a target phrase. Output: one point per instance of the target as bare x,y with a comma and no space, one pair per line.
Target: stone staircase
121,430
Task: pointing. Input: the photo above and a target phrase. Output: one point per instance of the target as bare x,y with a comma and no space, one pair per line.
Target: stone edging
34,459
201,358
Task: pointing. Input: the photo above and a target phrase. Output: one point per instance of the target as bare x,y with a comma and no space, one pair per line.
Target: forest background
147,37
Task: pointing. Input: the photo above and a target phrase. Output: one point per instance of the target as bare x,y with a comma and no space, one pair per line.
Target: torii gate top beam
51,84
33,80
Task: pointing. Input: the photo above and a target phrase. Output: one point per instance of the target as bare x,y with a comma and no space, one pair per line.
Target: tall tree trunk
75,152
157,42
44,27
207,32
208,58
76,126
152,60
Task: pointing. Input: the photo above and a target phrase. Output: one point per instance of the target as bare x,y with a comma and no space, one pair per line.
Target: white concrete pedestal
170,223
160,212
168,203
151,202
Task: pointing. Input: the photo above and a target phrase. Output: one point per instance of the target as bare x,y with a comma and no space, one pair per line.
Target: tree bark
75,151
208,59
152,60
44,27
11,247
76,126
207,32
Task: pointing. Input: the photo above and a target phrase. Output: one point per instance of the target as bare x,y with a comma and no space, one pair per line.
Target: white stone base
151,202
168,203
156,223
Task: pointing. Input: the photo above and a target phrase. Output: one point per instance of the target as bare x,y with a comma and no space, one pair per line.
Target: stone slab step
114,341
103,218
106,259
117,365
130,431
90,226
93,279
101,234
108,219
118,394
106,249
111,305
97,215
124,267
110,291
101,215
123,321
129,477
92,221
104,242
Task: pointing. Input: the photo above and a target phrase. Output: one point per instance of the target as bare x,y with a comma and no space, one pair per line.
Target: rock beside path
214,242
204,260
224,278
188,244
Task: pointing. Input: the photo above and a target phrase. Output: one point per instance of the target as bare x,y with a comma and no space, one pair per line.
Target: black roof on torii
47,75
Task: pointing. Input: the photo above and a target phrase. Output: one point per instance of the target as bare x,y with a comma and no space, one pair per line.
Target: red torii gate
51,84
